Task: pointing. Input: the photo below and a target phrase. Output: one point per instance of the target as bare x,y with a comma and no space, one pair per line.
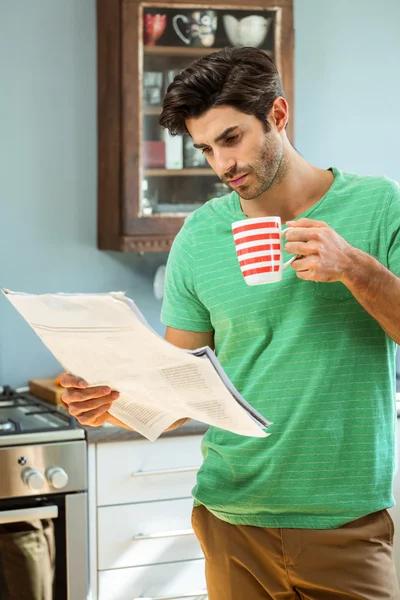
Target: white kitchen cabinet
153,471
395,510
146,533
141,540
167,582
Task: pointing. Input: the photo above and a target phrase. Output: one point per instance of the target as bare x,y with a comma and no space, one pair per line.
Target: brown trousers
352,562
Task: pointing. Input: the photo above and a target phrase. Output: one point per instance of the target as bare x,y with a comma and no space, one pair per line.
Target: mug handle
288,262
177,30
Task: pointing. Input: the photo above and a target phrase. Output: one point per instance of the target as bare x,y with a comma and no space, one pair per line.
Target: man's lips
238,180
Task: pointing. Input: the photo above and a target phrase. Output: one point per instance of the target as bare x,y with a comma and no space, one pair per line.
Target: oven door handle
28,514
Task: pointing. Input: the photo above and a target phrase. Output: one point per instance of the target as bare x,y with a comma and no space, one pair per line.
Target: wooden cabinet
148,182
142,544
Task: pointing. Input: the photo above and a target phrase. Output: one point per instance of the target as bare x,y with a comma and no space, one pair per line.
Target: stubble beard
267,171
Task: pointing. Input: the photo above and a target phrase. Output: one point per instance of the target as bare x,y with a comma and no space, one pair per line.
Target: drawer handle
201,594
165,534
165,472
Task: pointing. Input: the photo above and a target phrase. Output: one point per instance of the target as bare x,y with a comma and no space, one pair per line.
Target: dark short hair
244,78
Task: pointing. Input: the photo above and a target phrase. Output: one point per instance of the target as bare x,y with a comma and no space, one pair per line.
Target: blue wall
347,114
347,84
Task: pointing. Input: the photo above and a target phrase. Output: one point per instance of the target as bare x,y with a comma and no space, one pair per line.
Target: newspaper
105,339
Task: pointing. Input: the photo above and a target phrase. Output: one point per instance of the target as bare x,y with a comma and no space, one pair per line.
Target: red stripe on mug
255,238
265,248
255,226
258,259
260,270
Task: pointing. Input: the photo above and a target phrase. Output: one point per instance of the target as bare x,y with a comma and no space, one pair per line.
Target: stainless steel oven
43,503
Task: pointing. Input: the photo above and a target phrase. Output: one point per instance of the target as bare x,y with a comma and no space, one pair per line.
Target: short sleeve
181,306
393,231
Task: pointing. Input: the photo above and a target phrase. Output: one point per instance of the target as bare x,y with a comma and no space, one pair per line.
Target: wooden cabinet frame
119,56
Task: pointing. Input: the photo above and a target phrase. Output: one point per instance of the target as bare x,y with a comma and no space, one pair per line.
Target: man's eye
206,150
231,139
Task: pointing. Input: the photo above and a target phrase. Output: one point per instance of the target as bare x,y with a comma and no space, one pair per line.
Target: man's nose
224,163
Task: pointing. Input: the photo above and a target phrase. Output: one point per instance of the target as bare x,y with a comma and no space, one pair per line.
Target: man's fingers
304,222
73,395
303,264
102,419
301,248
100,404
304,234
72,381
89,405
94,417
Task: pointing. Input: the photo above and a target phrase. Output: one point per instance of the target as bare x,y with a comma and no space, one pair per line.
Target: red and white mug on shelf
258,244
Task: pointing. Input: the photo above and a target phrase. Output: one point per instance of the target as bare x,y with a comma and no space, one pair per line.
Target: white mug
200,27
258,244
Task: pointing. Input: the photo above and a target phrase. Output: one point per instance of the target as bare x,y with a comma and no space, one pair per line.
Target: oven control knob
57,477
33,479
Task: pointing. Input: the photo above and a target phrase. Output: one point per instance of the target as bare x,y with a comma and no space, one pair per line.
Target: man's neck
300,187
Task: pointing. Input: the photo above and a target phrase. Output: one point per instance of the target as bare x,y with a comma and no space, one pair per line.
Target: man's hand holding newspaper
90,404
105,339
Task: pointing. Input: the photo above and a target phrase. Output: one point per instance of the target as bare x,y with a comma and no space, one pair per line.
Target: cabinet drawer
143,534
158,582
140,471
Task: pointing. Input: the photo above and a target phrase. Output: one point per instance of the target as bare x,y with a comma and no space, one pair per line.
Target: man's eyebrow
219,137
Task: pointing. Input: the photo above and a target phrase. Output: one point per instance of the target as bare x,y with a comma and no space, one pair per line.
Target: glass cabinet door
175,177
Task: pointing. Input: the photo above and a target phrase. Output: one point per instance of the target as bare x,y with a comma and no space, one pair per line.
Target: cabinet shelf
178,50
177,172
184,51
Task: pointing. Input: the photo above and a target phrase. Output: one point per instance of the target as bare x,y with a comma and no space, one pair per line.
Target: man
301,513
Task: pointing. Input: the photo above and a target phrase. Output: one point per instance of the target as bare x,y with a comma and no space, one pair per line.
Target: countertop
110,433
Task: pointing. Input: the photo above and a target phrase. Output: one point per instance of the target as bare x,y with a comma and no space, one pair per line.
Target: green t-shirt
304,354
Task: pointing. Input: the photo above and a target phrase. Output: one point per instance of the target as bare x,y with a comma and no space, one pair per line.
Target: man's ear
279,113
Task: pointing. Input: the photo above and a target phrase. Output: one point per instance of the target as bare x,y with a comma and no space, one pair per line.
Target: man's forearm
377,290
119,423
177,424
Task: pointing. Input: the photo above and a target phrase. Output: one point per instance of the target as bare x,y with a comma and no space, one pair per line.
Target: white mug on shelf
200,27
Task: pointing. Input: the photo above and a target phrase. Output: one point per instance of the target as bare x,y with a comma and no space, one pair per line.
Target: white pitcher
249,31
